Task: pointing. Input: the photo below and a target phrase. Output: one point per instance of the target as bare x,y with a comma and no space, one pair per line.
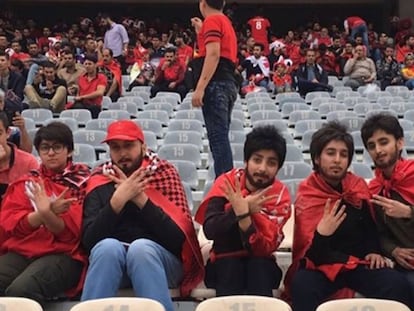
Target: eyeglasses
45,148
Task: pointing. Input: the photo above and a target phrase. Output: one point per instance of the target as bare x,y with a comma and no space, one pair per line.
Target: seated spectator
404,48
36,59
323,38
71,72
360,69
140,52
92,87
47,90
257,67
143,75
17,133
169,75
336,243
112,71
244,214
12,83
327,60
157,51
379,47
41,217
281,79
388,69
277,53
137,226
347,52
184,51
14,162
407,71
310,76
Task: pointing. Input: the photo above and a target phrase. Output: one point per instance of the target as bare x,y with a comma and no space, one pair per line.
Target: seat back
19,304
245,302
363,304
119,303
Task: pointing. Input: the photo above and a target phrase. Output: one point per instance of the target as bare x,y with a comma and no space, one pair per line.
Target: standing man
392,190
216,89
259,27
335,240
356,25
244,214
116,39
137,225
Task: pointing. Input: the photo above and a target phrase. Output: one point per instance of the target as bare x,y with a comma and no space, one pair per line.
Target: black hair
261,45
55,131
48,64
265,137
4,53
91,57
17,63
381,121
170,50
330,131
216,4
110,52
4,118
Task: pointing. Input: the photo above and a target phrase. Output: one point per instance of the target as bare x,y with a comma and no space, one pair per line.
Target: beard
263,182
394,158
129,169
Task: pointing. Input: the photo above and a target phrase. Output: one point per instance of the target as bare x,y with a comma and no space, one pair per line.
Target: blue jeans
218,102
363,30
32,73
150,268
410,84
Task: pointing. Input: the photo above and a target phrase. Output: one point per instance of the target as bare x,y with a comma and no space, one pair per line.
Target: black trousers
246,275
38,278
163,87
310,288
95,110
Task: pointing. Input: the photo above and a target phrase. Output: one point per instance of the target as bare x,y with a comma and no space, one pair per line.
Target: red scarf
309,208
269,221
167,192
21,238
401,181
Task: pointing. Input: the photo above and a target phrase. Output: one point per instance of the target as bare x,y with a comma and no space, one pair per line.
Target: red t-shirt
354,21
259,26
218,28
185,52
87,87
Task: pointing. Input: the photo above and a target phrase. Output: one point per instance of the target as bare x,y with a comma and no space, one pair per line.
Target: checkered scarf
166,191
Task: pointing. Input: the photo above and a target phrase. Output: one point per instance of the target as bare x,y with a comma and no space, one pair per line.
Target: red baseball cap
124,130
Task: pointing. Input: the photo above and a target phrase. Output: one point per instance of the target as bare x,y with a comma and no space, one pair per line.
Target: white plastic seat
306,139
143,94
281,125
38,115
70,122
373,96
186,125
302,126
342,95
174,95
99,124
237,152
137,100
160,105
400,107
151,140
251,108
340,88
352,123
127,106
187,171
407,125
358,143
351,102
312,95
106,100
303,115
363,304
288,108
325,108
184,137
192,114
159,115
336,115
361,109
236,125
91,137
181,152
281,96
245,302
293,153
151,125
294,170
285,101
119,303
316,102
238,114
114,114
292,185
82,116
237,137
84,153
19,304
362,170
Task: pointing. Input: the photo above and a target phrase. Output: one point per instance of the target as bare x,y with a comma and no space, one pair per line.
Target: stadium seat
350,102
325,108
316,102
239,115
114,114
363,304
70,122
106,100
151,140
292,185
151,125
19,304
186,125
159,115
407,125
161,106
91,137
288,108
82,116
400,107
184,137
181,152
237,137
336,115
119,303
98,124
38,115
285,101
373,96
362,170
174,95
303,115
187,171
84,153
361,109
358,143
342,95
29,124
237,151
352,123
192,114
294,170
251,108
244,302
282,96
306,139
293,153
127,106
236,125
144,95
137,100
303,125
281,125
312,95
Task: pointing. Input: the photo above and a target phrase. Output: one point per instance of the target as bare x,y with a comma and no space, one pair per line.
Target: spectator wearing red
184,51
92,87
169,75
354,25
407,47
112,71
281,79
43,41
260,27
327,60
347,53
139,52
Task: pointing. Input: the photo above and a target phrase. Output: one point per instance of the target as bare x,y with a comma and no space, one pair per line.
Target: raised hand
239,204
332,218
60,205
257,199
36,192
392,208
